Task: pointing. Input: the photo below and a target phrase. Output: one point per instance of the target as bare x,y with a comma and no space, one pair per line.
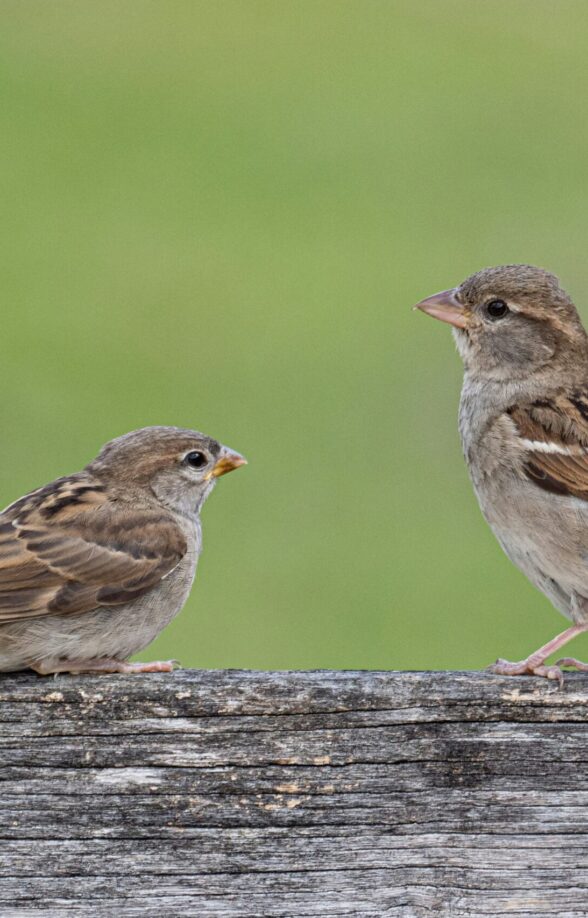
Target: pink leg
102,666
534,665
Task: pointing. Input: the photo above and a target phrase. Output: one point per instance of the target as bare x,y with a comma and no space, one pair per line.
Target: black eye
497,309
195,460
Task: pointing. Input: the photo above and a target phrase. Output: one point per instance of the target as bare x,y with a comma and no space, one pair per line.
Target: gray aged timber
293,794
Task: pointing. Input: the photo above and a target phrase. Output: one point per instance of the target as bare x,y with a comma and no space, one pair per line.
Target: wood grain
293,794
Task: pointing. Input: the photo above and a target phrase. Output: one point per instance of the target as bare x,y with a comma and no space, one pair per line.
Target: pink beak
446,307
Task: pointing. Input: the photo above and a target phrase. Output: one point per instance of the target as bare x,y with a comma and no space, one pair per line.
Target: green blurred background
217,214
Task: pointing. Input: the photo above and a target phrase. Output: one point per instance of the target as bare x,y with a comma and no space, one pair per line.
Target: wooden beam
293,794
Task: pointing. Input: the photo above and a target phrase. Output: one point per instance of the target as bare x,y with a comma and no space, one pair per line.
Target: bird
95,564
523,422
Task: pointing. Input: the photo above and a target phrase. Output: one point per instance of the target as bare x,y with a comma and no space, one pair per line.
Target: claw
534,665
506,668
550,672
571,661
102,666
527,668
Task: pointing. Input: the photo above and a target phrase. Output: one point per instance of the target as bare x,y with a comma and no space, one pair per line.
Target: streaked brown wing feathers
559,474
559,428
68,549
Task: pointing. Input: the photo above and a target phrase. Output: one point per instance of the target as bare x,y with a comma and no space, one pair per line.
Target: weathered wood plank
293,794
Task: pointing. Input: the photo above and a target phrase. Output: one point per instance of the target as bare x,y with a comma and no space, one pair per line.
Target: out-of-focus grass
218,215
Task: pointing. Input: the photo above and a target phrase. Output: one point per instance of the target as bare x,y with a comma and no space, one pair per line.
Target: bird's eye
497,309
195,459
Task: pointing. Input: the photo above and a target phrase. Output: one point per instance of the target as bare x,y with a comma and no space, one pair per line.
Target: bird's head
510,322
178,466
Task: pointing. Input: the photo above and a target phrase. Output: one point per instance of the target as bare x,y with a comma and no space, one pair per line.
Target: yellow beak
228,461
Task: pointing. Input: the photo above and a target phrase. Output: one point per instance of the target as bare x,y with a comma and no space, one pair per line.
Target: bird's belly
547,540
116,632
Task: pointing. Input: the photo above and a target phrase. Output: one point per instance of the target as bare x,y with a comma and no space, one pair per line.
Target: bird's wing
68,548
553,438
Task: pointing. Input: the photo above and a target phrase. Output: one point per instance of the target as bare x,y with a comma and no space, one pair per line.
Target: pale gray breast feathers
544,534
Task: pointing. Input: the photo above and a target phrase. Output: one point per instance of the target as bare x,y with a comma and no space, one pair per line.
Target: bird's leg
534,665
45,668
579,617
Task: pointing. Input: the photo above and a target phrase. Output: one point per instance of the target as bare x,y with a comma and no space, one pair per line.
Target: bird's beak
228,461
446,307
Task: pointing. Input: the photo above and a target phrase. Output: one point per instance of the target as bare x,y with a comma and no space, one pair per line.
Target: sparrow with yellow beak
94,565
523,421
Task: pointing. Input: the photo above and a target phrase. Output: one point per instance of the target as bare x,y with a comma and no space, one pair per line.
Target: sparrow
523,421
94,565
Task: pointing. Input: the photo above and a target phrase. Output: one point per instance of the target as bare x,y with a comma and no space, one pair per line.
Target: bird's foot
576,664
534,665
102,666
528,667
